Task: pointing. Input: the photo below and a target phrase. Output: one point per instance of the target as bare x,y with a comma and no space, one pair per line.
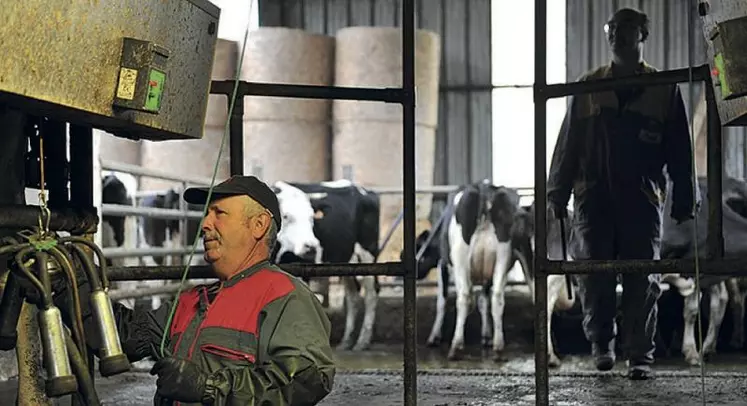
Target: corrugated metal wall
666,48
463,138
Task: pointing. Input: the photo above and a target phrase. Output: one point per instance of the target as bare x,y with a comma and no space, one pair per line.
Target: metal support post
81,189
408,170
54,134
540,198
715,236
81,166
236,136
715,264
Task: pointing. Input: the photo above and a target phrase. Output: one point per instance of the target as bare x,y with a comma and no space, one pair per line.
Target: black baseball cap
236,186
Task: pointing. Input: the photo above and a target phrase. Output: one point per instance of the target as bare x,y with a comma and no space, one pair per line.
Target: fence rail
199,181
119,252
119,210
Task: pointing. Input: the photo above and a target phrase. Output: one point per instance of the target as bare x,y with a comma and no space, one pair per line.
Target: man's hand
179,379
557,211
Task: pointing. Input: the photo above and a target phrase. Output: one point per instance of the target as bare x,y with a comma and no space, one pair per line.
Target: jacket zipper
227,352
199,327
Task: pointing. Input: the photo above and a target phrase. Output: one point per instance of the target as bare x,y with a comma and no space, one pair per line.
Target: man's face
624,35
229,235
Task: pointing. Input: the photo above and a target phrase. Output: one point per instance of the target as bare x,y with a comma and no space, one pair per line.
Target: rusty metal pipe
70,219
144,273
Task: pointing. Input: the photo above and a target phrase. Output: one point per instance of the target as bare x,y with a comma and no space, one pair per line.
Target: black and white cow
677,242
484,232
346,223
159,232
122,231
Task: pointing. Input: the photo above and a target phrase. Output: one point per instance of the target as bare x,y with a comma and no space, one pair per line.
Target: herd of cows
483,232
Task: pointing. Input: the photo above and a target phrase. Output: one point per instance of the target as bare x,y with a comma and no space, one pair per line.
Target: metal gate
405,96
714,264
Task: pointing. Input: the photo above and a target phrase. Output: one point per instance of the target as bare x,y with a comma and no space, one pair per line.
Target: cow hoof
455,354
553,361
499,356
434,342
693,360
345,345
737,342
487,342
361,347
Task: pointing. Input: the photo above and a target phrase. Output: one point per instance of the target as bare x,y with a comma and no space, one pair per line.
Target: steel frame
715,264
405,96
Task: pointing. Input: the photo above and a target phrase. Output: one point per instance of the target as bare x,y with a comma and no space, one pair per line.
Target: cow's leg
324,291
483,300
555,288
352,299
463,286
719,301
435,337
504,254
736,300
371,297
370,303
689,314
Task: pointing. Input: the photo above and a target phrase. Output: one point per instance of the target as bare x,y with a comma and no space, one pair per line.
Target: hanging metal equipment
42,261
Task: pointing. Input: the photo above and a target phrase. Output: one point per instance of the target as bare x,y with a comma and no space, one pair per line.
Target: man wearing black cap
257,336
611,152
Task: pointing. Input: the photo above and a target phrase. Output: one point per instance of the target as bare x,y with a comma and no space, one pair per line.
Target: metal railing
407,268
714,264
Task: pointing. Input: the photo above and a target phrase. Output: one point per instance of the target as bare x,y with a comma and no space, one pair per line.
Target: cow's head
117,189
296,241
431,254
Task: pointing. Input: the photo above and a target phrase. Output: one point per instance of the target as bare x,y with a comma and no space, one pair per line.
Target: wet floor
373,378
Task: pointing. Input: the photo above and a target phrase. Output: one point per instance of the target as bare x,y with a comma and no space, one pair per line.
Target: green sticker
719,61
155,90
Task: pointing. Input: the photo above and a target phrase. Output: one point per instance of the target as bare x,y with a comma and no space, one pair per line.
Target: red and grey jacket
262,336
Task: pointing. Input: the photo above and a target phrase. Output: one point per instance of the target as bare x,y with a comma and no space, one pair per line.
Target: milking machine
43,262
43,266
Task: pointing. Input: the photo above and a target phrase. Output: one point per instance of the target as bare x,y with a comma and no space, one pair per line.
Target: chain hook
45,214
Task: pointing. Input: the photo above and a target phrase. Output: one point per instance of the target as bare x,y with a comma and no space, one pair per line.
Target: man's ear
260,225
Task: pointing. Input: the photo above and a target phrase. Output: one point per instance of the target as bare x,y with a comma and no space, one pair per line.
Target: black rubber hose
88,267
86,388
99,255
46,297
76,313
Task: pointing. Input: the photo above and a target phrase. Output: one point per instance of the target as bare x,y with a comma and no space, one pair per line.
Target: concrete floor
374,378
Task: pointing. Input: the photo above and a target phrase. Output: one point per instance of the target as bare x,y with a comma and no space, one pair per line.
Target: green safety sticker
719,62
156,80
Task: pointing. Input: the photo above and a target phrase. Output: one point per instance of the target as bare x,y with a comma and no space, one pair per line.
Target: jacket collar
246,273
642,68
